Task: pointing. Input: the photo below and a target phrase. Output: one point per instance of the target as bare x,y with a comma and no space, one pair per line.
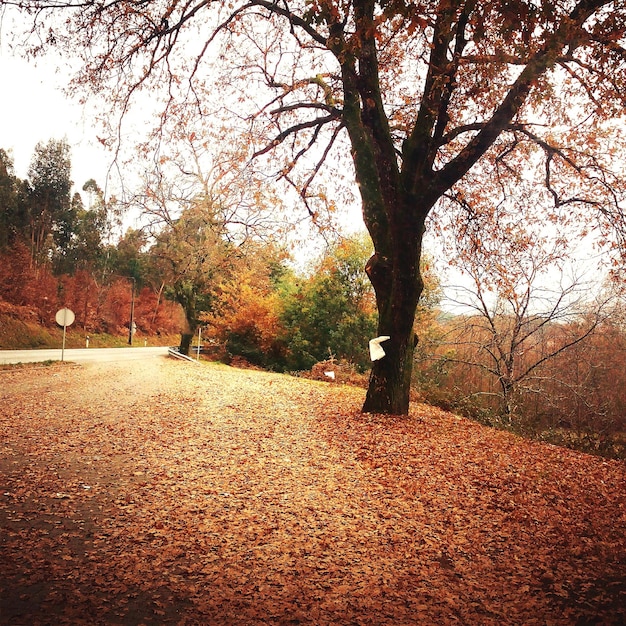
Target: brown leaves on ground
169,493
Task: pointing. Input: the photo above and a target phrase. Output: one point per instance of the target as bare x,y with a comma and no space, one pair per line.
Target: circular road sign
64,317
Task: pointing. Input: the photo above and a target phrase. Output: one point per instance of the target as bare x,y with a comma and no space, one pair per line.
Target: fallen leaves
165,493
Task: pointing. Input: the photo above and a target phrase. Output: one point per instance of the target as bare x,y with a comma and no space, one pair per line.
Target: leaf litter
161,492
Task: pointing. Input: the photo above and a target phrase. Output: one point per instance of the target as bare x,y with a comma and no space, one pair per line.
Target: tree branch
537,65
296,128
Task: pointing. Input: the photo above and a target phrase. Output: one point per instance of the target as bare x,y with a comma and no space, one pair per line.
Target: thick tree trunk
398,285
185,343
188,302
395,206
390,380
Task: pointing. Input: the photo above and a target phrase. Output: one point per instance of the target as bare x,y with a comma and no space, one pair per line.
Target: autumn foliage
575,398
98,307
422,109
173,493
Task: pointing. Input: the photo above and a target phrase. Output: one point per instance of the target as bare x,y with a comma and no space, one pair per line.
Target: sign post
65,318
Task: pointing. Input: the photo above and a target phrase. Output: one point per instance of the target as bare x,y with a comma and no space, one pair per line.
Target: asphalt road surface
80,355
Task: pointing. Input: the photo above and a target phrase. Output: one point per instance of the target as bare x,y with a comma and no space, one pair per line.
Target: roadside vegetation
547,365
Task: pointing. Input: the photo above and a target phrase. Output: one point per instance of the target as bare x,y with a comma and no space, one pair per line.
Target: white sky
33,108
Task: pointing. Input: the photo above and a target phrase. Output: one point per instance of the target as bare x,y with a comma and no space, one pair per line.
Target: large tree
436,98
9,215
201,209
51,214
194,259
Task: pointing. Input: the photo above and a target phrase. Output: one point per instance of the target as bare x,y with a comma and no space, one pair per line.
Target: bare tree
519,307
200,210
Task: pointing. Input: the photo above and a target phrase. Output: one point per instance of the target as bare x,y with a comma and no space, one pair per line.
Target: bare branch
294,130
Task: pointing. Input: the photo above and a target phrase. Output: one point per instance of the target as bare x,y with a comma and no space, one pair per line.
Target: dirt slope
171,493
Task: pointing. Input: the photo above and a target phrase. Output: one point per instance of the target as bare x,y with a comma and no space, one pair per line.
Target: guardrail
178,355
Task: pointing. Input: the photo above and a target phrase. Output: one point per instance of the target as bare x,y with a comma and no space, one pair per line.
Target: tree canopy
447,104
333,313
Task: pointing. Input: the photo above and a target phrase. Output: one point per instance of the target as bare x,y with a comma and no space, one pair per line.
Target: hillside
20,330
163,492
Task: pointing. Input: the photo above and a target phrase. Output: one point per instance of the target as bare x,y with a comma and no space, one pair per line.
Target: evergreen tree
9,214
334,311
51,215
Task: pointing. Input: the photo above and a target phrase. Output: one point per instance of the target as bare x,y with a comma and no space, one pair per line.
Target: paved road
80,355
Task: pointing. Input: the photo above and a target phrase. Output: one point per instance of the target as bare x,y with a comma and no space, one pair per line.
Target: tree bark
187,299
390,379
398,286
185,343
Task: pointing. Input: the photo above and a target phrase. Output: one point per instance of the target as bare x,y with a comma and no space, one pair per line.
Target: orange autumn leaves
205,494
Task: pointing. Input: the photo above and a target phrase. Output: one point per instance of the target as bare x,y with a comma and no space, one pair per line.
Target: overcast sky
33,108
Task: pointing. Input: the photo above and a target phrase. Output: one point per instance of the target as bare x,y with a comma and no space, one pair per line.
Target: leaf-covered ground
163,492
